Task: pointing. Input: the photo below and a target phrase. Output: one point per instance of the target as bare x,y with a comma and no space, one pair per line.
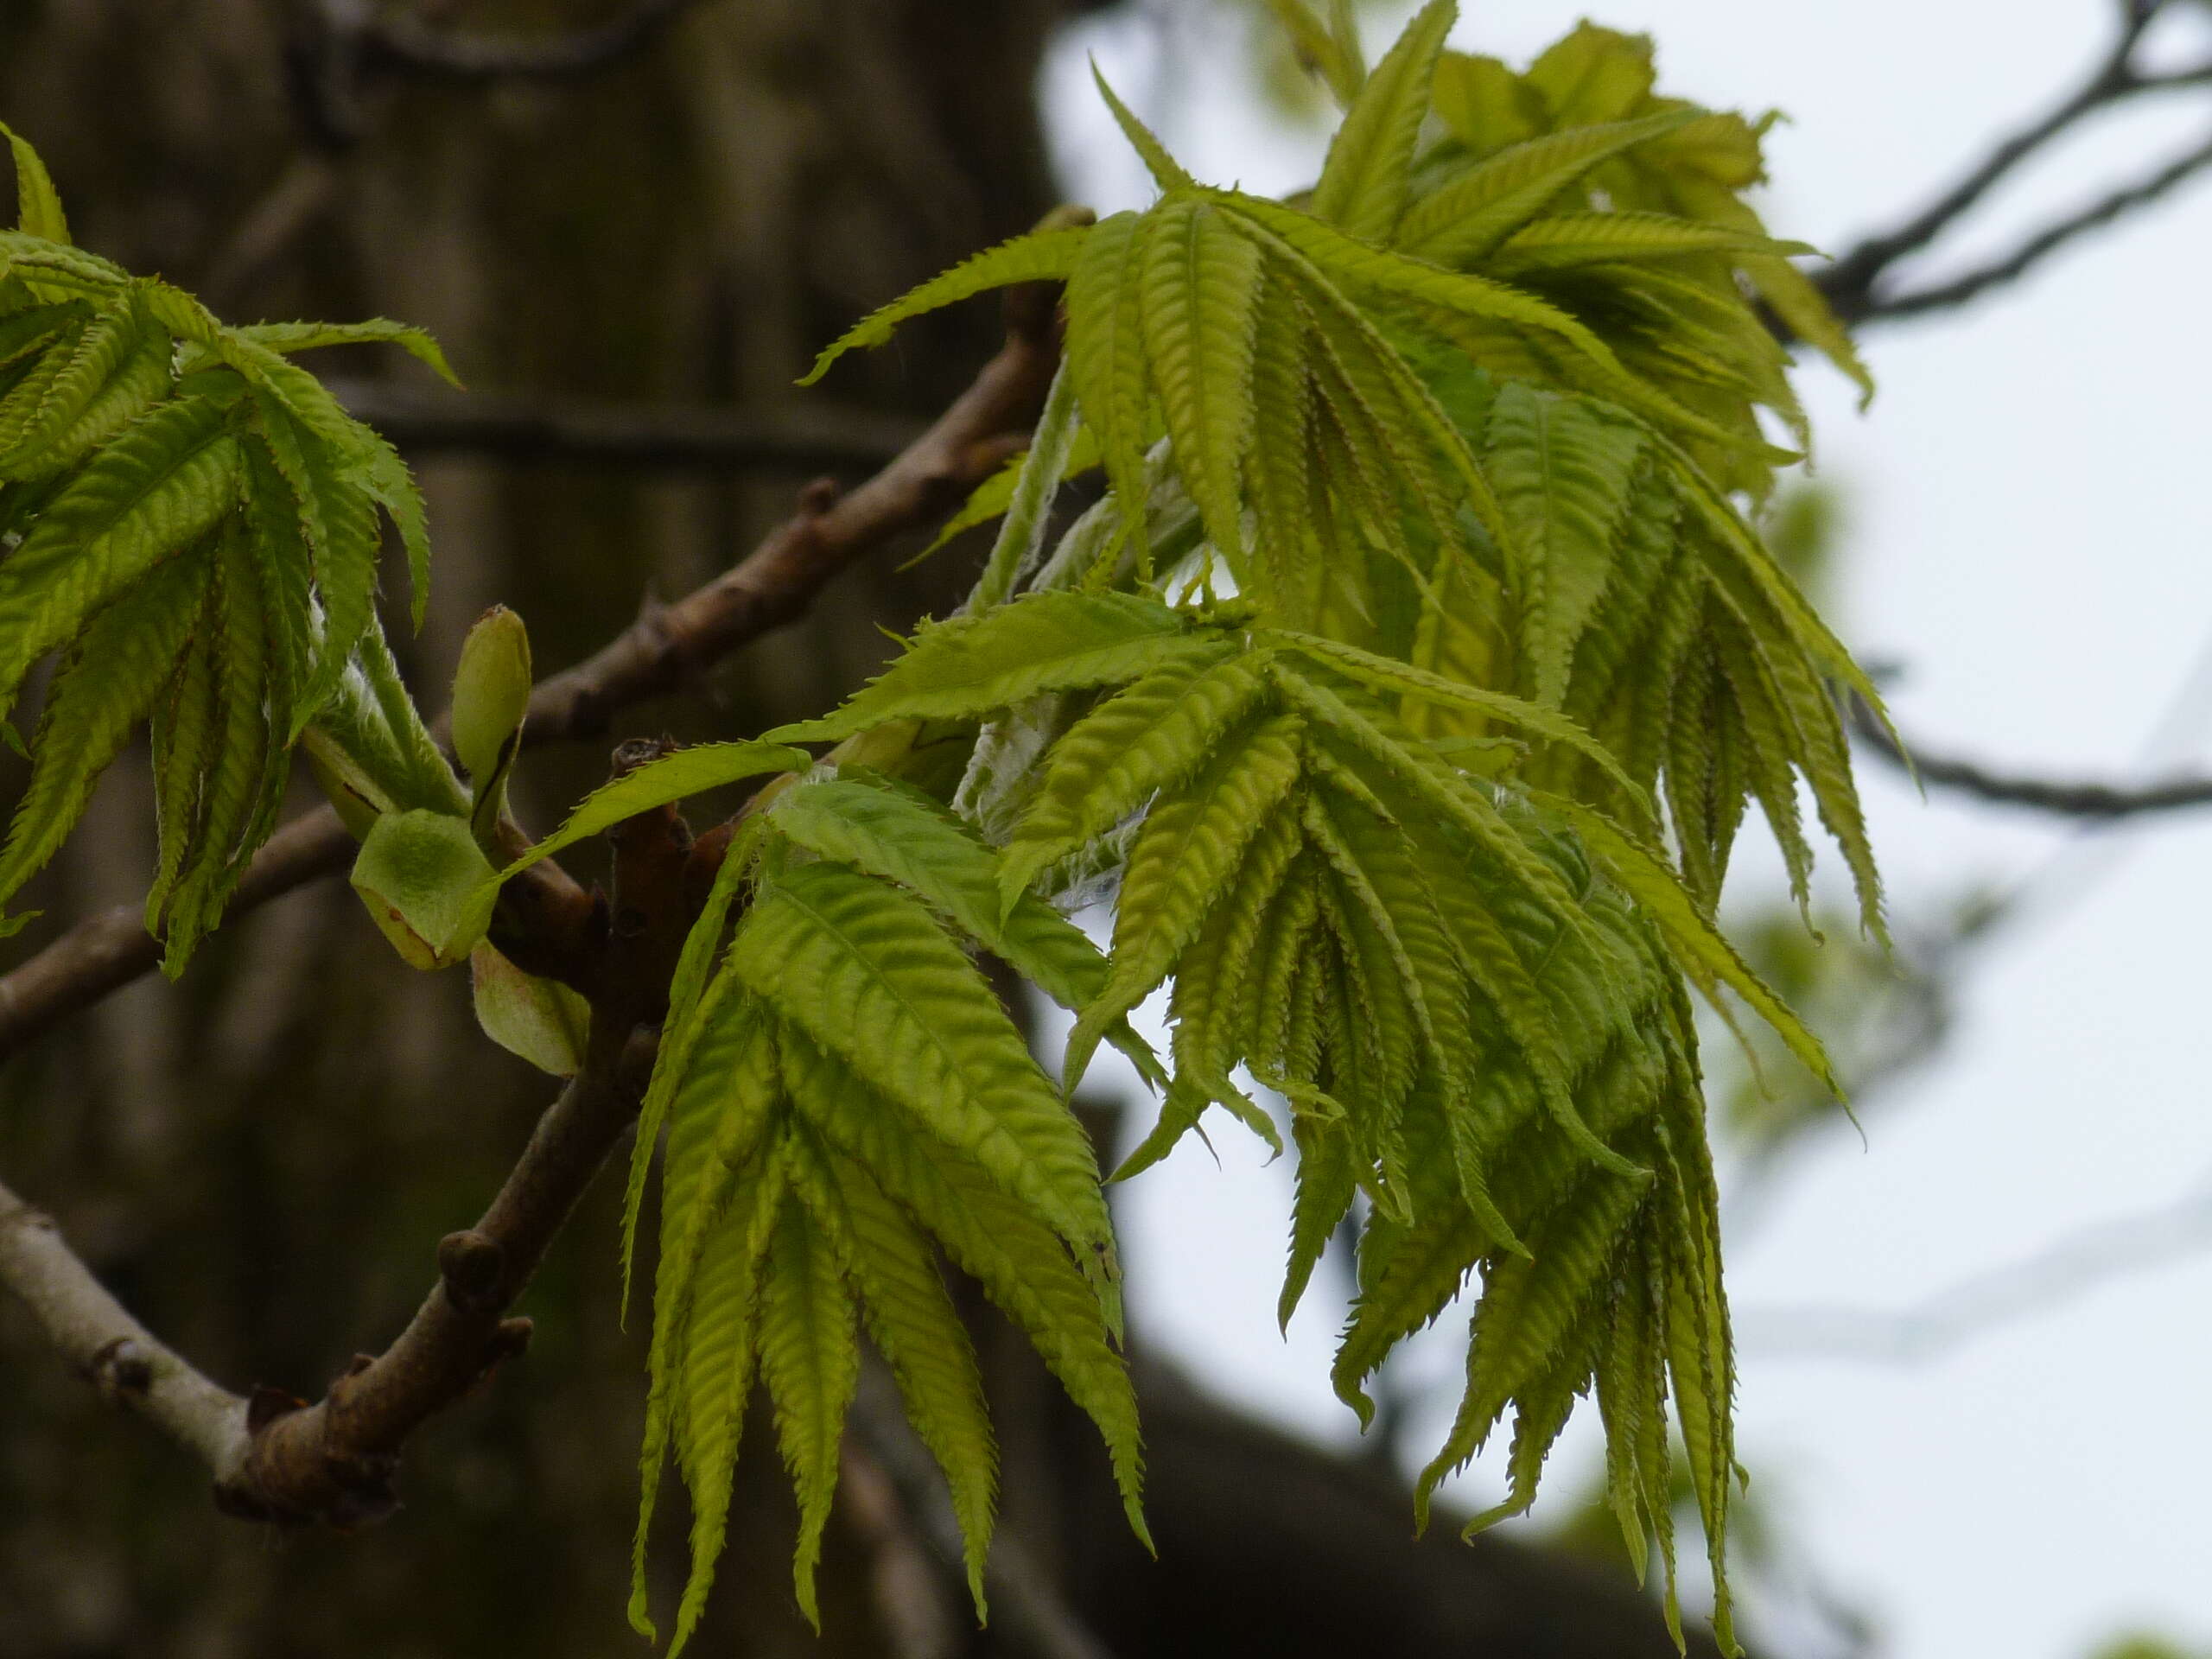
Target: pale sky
2029,539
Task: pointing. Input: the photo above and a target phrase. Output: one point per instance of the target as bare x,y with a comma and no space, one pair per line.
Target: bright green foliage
844,1055
1424,829
193,522
670,777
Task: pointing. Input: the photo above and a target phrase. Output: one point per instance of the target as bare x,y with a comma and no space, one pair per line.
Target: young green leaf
540,1019
1040,255
1368,175
38,207
491,694
670,777
426,885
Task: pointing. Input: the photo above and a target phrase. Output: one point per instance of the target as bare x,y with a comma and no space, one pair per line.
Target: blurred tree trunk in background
260,1158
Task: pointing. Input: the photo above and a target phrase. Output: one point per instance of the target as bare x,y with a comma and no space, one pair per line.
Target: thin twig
675,437
1852,283
401,42
2060,1273
2035,249
119,1356
2073,798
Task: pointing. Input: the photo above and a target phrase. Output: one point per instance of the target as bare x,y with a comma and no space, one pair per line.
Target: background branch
119,1356
335,1460
675,436
2062,1272
2034,249
1853,283
401,40
1029,1615
2075,799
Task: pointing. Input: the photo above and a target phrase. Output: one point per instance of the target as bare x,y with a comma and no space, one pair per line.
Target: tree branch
695,437
335,1460
2075,799
404,42
1852,283
2034,249
771,586
124,1361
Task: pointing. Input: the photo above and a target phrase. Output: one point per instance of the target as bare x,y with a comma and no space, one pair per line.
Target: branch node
120,1368
510,1339
266,1404
366,1493
242,1505
473,1268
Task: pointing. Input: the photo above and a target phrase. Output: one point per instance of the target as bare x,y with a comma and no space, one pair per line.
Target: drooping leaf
121,664
1040,255
1200,288
867,974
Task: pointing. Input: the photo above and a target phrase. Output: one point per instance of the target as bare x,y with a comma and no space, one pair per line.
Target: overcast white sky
2029,531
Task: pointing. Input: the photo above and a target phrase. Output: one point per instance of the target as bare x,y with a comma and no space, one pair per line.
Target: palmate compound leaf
1164,315
1389,830
844,1088
160,469
1470,1017
1594,1257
